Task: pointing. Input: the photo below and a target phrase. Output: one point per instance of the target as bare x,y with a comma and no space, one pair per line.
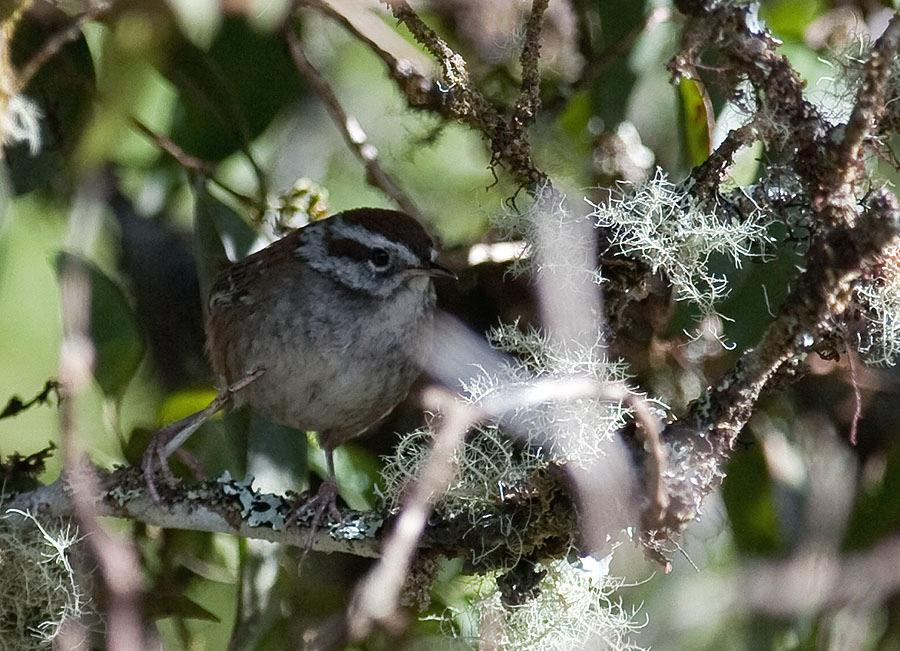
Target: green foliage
231,92
217,228
748,496
114,329
696,121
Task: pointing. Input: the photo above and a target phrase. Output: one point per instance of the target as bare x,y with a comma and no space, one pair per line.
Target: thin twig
376,598
350,129
55,43
837,200
421,92
191,163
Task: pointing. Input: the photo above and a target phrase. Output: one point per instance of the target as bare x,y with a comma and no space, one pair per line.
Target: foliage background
152,60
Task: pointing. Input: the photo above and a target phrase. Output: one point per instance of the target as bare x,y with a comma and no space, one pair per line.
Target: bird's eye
380,258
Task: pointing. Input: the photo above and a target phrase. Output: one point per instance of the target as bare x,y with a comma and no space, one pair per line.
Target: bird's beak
438,271
434,270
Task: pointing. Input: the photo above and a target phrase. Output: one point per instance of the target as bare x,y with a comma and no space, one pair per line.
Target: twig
505,132
376,598
836,202
15,405
420,91
705,436
530,94
191,163
350,129
55,43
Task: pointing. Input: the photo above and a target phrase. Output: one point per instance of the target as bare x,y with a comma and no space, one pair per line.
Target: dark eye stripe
347,248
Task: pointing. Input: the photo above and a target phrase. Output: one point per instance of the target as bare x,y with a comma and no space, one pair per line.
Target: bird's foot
155,460
314,509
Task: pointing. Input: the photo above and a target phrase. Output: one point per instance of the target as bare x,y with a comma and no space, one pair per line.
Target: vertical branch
530,95
116,558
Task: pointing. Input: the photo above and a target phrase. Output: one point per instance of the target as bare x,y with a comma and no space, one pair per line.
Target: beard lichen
40,591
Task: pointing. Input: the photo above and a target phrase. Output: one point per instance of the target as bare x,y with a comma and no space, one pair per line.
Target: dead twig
350,129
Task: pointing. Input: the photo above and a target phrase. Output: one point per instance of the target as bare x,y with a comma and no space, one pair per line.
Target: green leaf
749,500
696,120
117,338
239,85
877,510
217,229
357,472
161,605
621,21
790,18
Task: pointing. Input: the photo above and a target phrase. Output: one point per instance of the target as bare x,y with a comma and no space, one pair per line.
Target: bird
324,330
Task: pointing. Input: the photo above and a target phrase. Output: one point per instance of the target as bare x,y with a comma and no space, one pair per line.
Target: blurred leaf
118,342
217,229
137,35
184,403
63,90
231,92
160,605
877,510
790,18
696,120
284,448
749,500
356,469
619,20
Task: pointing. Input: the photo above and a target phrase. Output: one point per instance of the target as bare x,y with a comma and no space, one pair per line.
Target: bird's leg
170,438
324,499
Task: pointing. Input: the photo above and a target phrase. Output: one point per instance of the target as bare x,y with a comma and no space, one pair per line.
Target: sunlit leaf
790,18
118,342
696,120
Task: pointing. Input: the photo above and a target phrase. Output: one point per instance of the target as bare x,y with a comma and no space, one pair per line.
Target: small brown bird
323,330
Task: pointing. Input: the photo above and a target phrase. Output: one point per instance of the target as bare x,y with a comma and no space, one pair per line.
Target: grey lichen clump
500,458
878,293
573,608
662,224
40,592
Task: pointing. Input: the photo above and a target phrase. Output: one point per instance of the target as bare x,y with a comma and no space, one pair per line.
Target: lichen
40,592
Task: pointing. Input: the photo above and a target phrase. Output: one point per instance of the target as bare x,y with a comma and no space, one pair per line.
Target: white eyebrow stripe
372,239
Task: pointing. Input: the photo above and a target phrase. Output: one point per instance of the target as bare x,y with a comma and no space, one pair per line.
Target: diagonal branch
350,129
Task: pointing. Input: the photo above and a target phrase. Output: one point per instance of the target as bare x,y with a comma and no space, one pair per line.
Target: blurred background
215,78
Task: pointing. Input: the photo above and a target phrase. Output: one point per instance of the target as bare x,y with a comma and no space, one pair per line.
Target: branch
701,443
190,163
350,129
55,43
505,130
223,506
837,200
